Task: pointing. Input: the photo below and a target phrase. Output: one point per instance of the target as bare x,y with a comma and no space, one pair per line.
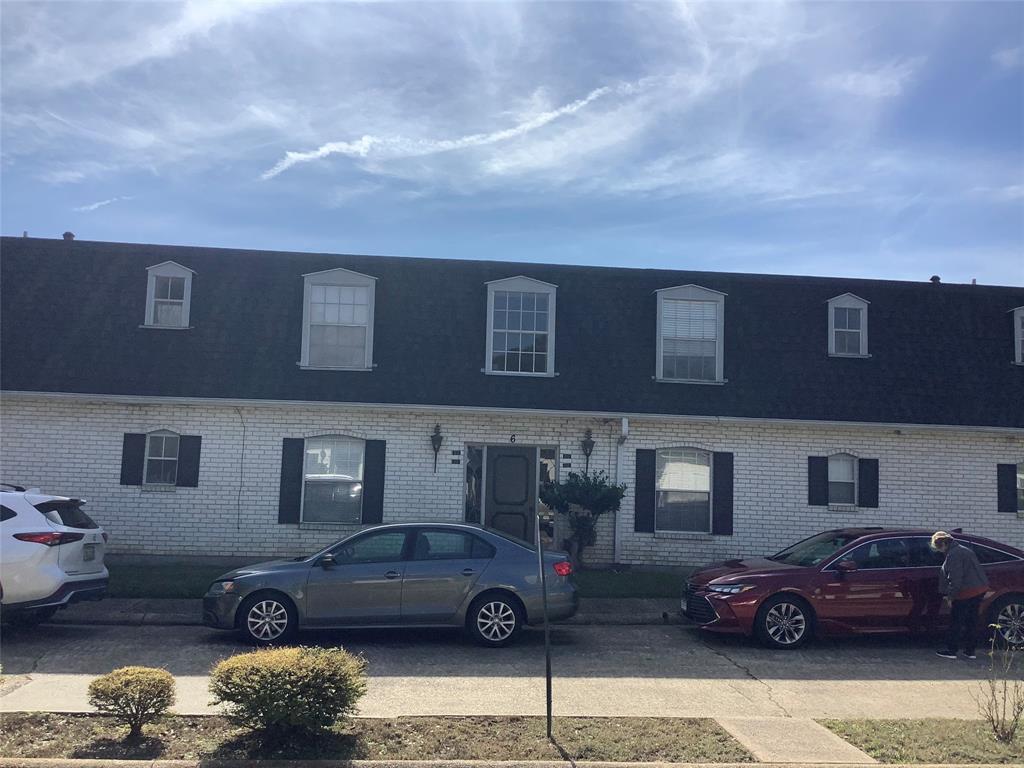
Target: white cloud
1006,194
1008,58
883,82
101,203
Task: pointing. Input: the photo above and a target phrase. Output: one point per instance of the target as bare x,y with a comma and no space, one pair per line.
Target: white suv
52,554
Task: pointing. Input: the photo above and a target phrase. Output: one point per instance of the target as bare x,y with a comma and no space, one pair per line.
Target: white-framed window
332,479
1020,486
848,326
842,479
161,466
683,490
520,327
168,295
337,328
691,330
1018,335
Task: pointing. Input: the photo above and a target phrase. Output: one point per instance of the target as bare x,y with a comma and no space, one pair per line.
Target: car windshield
814,550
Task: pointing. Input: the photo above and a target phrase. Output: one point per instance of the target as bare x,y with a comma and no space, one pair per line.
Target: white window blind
689,331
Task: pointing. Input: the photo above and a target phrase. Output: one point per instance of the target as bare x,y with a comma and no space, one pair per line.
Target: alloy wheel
1011,623
785,623
267,620
496,621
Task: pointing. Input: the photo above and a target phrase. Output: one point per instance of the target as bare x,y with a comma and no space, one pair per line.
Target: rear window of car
6,513
987,555
67,513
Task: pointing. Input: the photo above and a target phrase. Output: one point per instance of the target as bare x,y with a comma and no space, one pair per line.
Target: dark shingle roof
940,354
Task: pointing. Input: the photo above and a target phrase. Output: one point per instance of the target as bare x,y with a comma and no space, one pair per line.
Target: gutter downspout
617,549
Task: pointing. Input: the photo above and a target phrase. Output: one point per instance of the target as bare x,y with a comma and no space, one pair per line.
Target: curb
185,620
55,762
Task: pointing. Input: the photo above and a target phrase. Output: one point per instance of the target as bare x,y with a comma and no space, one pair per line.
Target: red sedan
851,581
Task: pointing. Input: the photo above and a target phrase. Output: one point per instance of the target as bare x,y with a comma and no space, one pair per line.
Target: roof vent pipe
935,279
69,235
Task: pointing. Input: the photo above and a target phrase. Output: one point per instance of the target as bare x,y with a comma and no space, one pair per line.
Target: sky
860,140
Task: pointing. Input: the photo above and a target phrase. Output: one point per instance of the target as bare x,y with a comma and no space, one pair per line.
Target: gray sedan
410,575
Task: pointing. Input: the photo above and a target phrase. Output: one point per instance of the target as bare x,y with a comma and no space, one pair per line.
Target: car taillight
49,538
563,568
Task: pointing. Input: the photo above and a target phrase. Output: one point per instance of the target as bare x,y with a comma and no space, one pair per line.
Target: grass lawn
629,583
404,738
183,580
934,740
167,579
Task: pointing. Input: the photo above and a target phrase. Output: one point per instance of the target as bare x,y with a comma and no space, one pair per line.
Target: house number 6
512,439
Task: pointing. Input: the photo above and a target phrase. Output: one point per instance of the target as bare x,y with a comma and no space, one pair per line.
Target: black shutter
1006,482
293,451
133,456
721,495
817,481
867,482
373,481
643,499
188,461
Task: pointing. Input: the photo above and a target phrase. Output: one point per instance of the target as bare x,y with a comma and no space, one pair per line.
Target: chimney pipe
24,233
69,235
934,278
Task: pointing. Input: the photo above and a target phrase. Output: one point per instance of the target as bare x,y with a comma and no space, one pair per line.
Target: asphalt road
599,670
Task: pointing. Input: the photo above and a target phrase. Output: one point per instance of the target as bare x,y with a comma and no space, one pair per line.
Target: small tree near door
583,498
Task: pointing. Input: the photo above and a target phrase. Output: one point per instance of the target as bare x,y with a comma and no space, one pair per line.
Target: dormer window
337,328
691,329
520,327
848,326
168,295
1018,335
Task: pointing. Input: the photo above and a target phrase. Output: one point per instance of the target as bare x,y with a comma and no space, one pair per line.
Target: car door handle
468,571
392,575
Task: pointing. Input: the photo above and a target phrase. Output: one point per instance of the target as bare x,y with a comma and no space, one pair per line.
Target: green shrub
282,691
134,696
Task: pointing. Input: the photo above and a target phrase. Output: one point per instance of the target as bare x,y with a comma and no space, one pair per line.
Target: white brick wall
927,478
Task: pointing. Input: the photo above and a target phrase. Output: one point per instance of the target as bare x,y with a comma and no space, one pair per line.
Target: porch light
435,441
588,447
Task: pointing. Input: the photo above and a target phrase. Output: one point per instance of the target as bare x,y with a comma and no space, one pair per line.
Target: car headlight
729,589
221,588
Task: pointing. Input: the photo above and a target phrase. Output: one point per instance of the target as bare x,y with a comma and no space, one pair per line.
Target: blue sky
865,139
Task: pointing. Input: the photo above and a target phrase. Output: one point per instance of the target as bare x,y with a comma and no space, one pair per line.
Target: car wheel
267,619
784,622
1008,617
494,620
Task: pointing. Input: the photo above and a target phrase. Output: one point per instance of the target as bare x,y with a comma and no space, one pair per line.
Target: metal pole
547,634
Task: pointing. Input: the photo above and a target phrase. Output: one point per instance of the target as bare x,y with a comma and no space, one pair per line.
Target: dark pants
963,625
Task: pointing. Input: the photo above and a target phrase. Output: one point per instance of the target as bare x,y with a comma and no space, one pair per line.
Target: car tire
267,618
1008,613
495,619
784,622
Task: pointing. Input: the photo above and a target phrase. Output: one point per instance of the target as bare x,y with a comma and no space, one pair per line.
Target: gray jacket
960,571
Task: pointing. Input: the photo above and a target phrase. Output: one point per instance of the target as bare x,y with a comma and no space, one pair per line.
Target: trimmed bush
134,696
282,691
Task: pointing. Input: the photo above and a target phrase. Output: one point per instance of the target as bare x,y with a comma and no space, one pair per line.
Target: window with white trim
848,326
691,325
683,490
520,327
842,479
338,320
332,480
168,295
1018,335
161,466
1020,487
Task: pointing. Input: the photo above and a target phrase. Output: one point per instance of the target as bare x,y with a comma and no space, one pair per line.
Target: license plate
89,552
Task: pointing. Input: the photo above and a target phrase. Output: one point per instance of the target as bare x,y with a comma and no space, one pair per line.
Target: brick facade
931,478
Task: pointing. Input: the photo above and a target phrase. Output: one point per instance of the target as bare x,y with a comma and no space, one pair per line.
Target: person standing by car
964,584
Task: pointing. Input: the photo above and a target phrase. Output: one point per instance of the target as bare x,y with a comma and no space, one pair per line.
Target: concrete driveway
599,670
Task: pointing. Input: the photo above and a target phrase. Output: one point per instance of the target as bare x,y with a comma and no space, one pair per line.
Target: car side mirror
846,566
327,561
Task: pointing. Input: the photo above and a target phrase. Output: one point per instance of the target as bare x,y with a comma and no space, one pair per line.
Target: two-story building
226,402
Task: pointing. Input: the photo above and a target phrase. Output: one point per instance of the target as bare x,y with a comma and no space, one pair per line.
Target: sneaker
946,654
970,655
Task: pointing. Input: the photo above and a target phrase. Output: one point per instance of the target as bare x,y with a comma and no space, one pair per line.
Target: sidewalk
142,611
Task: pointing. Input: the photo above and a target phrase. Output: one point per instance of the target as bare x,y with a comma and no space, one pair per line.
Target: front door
511,490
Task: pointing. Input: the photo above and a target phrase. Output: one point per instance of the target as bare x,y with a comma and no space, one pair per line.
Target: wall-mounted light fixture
588,447
435,441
